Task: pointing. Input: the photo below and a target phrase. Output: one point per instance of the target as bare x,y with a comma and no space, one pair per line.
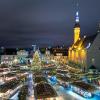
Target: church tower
76,26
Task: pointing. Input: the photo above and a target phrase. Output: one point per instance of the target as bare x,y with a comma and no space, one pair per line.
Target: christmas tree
36,64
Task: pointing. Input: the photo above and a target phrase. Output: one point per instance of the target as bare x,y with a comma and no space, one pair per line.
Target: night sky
45,22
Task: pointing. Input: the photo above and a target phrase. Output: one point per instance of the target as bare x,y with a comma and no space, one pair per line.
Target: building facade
22,56
7,59
59,55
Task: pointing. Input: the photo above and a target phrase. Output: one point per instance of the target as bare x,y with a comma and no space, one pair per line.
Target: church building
83,49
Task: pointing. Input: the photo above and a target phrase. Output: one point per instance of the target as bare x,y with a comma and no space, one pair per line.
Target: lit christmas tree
36,64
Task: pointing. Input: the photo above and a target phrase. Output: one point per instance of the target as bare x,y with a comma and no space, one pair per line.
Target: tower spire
77,13
77,25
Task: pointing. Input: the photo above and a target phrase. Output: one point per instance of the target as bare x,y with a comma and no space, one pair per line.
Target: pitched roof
85,41
84,86
88,40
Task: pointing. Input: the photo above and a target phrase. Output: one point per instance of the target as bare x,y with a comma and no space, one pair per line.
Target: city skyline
45,23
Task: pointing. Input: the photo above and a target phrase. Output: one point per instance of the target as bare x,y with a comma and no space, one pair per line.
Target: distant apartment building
59,55
22,53
7,59
8,56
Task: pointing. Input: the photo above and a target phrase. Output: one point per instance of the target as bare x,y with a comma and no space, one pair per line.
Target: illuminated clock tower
76,28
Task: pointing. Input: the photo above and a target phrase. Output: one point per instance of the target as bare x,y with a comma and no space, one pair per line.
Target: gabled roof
84,86
88,40
85,41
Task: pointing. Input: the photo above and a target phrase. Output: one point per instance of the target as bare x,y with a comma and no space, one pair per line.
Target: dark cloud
45,22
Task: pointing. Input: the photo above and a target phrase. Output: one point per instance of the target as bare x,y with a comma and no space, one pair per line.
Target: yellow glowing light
15,60
79,48
72,55
76,34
